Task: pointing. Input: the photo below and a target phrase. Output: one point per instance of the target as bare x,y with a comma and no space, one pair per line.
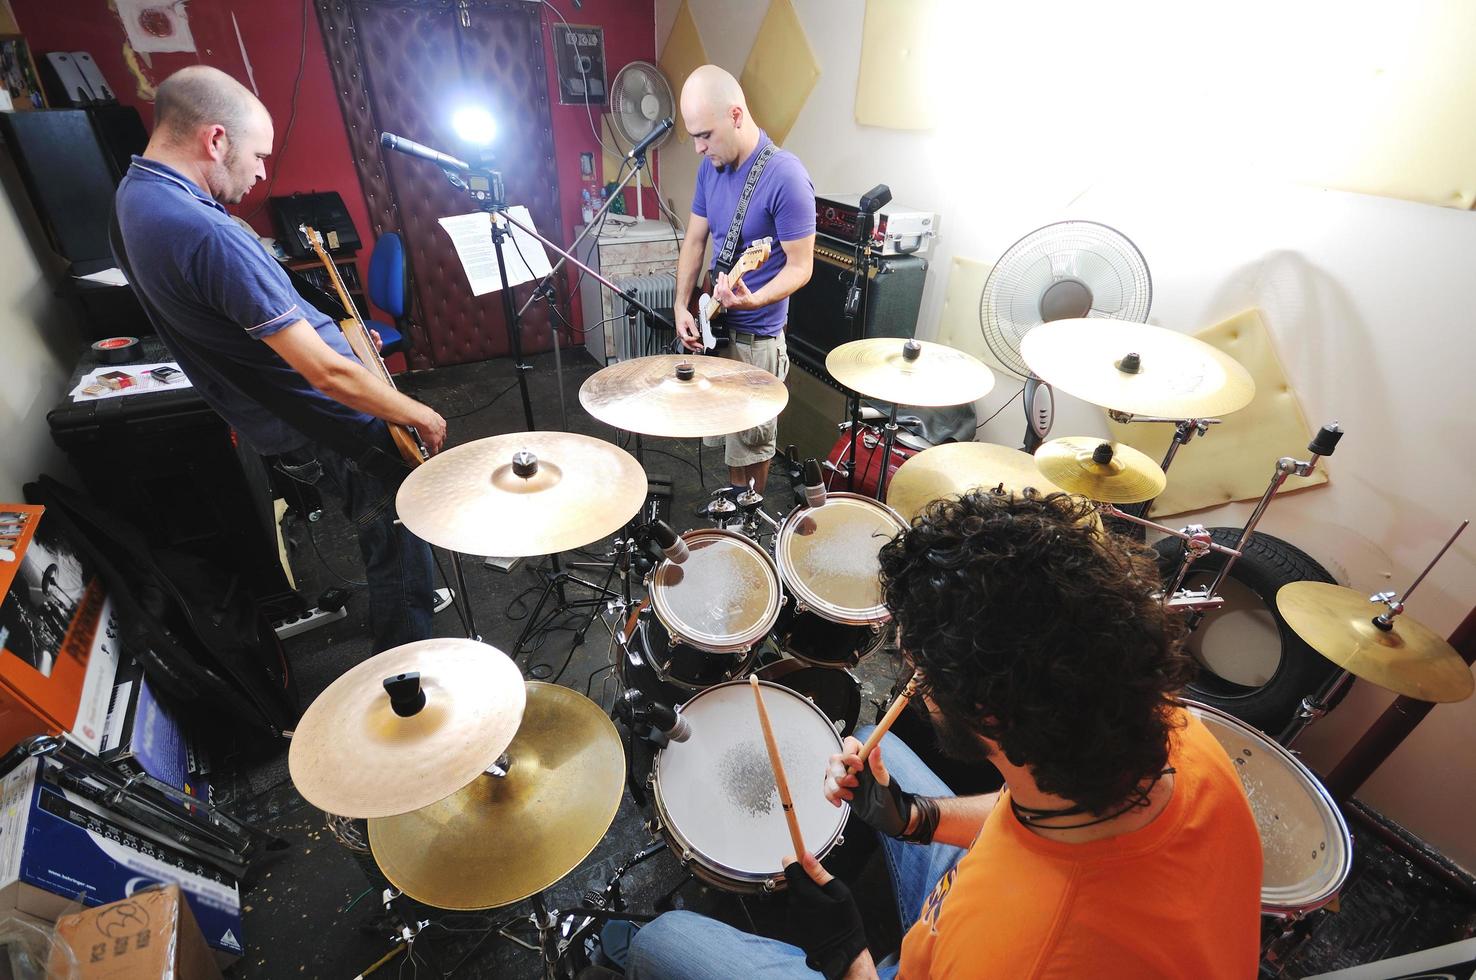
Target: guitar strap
729,253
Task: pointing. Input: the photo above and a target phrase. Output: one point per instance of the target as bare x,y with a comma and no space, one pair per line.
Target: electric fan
1063,270
640,98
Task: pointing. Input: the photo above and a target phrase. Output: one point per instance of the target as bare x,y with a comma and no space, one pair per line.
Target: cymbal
954,468
1409,659
503,838
1100,469
886,368
352,755
658,396
483,498
1178,376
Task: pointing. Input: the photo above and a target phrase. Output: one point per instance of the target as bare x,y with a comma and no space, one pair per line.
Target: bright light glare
474,125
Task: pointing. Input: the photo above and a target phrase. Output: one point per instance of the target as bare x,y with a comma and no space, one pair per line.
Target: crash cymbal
954,468
1100,469
503,838
486,498
1408,659
909,372
682,396
1177,376
354,756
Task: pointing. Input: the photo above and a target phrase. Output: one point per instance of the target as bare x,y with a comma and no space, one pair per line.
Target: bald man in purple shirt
781,206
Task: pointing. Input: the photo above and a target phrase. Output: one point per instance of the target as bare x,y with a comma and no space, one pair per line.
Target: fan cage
625,100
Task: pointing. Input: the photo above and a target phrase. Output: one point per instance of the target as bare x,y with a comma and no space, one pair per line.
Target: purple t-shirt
782,208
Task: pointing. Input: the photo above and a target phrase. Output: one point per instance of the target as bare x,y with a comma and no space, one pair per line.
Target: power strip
311,620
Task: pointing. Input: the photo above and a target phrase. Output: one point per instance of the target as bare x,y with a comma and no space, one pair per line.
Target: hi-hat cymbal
1408,659
352,755
503,838
1175,376
955,468
488,498
682,396
1099,469
909,372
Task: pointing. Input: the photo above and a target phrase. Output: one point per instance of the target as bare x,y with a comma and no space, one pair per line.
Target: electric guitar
406,439
708,308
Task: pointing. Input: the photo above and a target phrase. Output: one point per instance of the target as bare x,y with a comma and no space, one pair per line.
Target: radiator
637,338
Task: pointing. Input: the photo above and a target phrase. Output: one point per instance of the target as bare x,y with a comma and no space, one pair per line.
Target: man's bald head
710,87
716,114
203,96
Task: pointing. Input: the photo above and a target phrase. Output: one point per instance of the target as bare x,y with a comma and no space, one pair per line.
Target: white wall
39,344
1187,147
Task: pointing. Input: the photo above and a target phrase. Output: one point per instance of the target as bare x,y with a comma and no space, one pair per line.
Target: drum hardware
1365,638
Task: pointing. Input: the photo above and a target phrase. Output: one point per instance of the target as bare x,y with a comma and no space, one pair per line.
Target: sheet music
471,236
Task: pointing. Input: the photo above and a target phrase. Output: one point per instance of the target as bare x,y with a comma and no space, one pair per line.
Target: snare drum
711,611
828,559
715,796
1306,850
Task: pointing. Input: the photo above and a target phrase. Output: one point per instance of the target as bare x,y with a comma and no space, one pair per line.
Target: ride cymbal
909,372
1407,659
503,838
522,494
683,396
955,468
1100,469
1137,369
354,756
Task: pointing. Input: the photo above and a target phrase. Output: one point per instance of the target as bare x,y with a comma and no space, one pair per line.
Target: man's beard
958,741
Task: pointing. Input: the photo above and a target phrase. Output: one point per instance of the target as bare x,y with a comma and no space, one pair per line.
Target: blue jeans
688,945
398,566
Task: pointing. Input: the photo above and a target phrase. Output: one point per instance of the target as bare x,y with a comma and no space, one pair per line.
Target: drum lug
841,839
800,607
769,885
666,667
686,858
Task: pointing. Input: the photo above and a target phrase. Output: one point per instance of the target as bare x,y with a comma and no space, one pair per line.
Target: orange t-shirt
1178,897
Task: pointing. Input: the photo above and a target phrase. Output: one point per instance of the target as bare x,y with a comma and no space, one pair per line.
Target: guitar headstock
753,256
314,240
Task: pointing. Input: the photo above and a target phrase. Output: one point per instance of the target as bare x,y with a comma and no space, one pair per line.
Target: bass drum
1251,663
869,442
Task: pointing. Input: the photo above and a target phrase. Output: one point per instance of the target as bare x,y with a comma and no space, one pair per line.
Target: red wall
315,157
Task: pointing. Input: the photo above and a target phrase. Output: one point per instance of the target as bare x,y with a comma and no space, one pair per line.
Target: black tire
1266,564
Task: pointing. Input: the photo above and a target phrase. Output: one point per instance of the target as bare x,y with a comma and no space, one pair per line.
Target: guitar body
405,438
708,309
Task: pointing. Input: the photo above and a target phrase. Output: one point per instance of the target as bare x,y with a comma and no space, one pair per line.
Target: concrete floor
311,910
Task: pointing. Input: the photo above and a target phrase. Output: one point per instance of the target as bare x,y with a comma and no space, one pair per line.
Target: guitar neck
354,328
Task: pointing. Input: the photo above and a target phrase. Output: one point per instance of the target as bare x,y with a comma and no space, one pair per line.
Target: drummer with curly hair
1121,845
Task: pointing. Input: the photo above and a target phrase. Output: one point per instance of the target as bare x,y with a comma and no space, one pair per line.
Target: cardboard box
58,634
57,848
151,934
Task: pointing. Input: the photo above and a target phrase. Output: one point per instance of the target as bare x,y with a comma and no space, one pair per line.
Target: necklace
1031,816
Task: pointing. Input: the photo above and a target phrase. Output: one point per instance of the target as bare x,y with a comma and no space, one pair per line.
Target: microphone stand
855,311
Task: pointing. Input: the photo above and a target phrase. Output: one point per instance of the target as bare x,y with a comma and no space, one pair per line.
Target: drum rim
812,601
1295,899
731,643
713,866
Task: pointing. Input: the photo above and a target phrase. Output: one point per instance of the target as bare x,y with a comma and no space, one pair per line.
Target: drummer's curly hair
1035,628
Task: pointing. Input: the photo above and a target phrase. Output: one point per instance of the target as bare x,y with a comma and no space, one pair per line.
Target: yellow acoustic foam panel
958,324
680,56
781,71
610,162
1234,461
892,89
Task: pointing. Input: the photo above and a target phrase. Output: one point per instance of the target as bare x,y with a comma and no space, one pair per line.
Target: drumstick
785,802
889,717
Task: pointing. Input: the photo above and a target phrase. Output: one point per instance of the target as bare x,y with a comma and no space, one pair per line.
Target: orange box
58,634
150,934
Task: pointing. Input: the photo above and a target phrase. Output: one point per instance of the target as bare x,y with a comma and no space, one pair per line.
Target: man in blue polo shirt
277,369
781,206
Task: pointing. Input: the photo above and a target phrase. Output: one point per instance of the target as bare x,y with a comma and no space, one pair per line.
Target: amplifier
817,320
897,230
323,211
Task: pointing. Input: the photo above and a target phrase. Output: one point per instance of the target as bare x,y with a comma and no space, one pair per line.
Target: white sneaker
443,599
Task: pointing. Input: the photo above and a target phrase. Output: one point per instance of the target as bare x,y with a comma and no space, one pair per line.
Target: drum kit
481,789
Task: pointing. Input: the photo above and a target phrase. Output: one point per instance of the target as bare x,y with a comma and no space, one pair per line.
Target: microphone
670,722
814,483
662,128
392,142
672,546
878,197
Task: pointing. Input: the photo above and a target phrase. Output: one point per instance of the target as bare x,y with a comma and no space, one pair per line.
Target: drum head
724,597
829,556
716,790
1305,846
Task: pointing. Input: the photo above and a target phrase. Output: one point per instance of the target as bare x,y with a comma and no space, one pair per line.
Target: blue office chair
387,290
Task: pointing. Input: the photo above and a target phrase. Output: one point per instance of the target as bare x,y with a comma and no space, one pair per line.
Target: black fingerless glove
890,808
824,922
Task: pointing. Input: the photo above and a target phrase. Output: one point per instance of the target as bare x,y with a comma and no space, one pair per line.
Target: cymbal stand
555,580
554,933
1316,705
910,352
1184,431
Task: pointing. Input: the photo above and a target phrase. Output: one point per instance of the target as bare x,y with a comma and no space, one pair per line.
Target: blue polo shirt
782,208
214,295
